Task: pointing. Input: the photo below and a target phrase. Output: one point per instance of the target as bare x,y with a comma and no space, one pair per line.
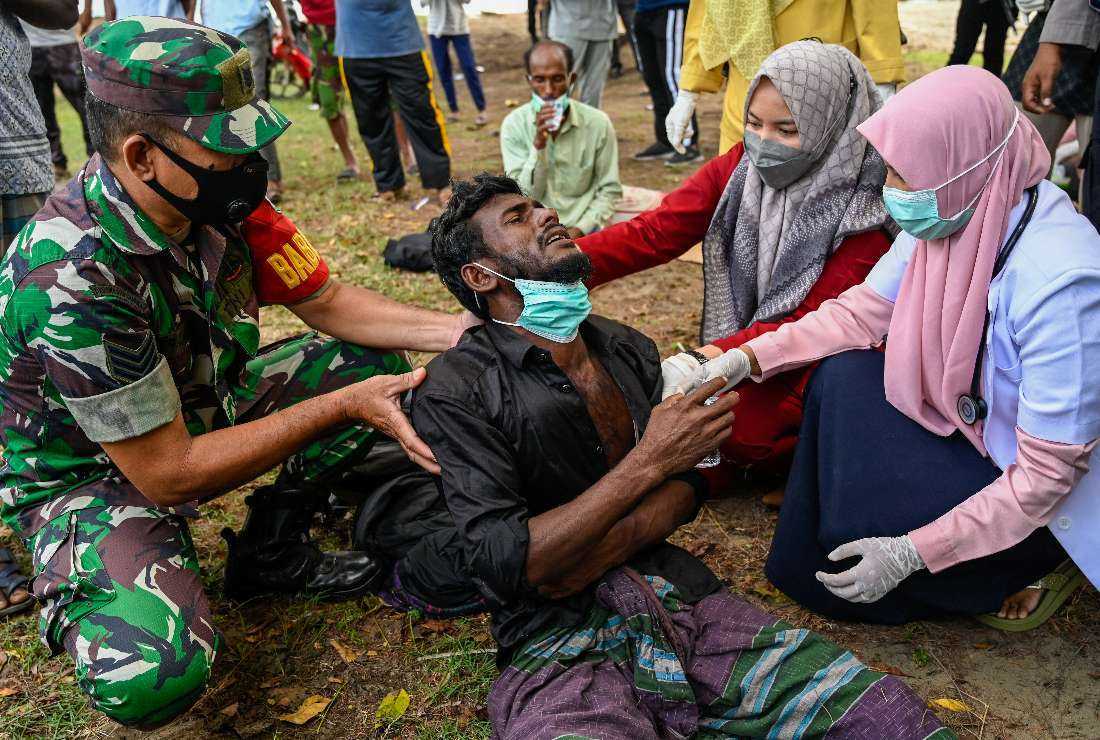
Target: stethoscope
971,406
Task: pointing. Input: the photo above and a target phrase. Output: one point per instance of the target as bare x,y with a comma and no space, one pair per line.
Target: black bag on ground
411,252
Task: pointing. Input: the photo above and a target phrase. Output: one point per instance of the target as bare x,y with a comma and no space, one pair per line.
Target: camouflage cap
198,78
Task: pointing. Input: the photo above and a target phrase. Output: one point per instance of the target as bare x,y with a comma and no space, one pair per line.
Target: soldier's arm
369,319
49,14
170,467
109,374
289,271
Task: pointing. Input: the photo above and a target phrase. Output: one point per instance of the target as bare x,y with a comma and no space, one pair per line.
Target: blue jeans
465,52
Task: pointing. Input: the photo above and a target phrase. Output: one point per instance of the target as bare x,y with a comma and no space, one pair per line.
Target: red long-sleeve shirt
680,222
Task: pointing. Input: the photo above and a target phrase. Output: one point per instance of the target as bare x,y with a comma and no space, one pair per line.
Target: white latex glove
1032,6
732,365
678,120
676,372
886,89
885,562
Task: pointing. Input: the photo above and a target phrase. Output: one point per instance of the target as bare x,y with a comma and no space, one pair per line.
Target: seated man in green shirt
562,152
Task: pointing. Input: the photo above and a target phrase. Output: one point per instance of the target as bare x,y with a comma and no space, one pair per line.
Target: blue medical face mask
917,211
552,311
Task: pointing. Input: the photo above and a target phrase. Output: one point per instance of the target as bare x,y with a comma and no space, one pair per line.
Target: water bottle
715,457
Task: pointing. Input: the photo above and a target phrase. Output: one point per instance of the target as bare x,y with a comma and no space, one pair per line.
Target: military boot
273,553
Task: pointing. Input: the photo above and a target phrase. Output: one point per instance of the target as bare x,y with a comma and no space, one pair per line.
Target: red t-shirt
285,267
320,12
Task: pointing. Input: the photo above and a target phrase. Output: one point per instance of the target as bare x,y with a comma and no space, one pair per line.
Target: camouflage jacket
107,330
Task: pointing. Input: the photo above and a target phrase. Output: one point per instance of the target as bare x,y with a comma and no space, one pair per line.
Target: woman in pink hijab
948,472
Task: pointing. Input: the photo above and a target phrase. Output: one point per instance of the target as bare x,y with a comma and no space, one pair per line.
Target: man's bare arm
681,431
170,467
660,513
50,14
370,319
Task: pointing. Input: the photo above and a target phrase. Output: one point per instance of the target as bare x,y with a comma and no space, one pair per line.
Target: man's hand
543,129
574,232
884,563
377,402
682,430
678,120
1039,81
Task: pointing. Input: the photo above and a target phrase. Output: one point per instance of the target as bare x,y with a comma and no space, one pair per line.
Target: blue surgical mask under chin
917,212
552,311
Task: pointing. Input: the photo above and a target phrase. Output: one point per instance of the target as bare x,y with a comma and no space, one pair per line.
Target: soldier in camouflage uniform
133,386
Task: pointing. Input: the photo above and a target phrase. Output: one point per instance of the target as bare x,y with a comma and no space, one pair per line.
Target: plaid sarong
644,664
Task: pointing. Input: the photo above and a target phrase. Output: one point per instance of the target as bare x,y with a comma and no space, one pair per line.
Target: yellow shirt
870,29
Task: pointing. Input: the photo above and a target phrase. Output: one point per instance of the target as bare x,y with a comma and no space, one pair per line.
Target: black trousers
660,38
406,81
626,14
864,469
59,65
1091,184
973,14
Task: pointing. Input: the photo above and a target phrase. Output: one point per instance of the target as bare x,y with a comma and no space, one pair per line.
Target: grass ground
278,652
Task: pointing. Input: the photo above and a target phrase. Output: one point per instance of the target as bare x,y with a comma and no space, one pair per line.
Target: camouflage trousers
327,85
120,586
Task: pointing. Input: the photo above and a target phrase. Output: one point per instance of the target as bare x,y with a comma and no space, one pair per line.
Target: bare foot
1020,605
481,119
18,596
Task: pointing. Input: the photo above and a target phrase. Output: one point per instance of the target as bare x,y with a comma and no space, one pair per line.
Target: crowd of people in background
943,472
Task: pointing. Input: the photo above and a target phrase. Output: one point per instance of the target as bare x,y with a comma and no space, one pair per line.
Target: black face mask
224,197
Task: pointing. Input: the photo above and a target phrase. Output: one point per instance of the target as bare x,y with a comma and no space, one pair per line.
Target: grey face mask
779,165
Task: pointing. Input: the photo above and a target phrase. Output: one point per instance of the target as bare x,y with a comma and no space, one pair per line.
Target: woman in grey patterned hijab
787,208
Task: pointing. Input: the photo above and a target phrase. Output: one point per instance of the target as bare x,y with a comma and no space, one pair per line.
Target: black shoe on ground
690,155
273,553
655,151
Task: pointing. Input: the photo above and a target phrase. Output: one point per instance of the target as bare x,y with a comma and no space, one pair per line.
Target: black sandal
11,580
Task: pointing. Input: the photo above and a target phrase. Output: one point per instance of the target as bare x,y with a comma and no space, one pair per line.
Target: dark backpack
412,252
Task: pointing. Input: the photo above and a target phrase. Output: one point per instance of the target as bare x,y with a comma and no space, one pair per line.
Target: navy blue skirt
864,469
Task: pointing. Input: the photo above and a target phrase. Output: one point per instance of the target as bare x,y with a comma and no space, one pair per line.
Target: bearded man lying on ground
564,475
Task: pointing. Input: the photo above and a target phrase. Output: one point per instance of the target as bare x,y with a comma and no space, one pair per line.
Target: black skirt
864,469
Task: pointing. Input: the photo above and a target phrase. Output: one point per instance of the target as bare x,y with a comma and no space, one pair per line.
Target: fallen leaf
334,679
893,670
983,645
349,655
393,706
231,710
285,696
372,653
269,683
435,625
310,708
8,691
951,705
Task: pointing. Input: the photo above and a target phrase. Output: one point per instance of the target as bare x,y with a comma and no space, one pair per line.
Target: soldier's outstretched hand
377,402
